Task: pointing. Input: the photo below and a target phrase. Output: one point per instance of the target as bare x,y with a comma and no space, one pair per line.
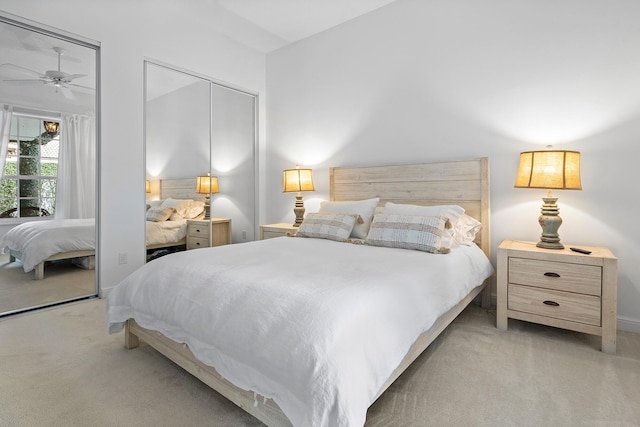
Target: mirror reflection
47,168
200,162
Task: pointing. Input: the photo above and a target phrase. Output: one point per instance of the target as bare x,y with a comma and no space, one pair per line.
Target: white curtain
76,188
5,128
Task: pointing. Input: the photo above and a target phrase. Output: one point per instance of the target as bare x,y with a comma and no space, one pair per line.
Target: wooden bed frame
39,268
465,183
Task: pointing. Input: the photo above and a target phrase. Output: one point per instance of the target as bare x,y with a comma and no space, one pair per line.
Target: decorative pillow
364,208
181,207
419,232
197,208
453,212
158,213
327,226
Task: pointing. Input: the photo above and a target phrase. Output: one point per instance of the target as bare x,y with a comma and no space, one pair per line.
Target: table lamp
550,170
207,185
295,181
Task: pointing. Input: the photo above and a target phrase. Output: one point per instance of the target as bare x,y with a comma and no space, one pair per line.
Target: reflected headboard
464,183
179,189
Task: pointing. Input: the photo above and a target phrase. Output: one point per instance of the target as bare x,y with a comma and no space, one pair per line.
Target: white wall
129,31
427,80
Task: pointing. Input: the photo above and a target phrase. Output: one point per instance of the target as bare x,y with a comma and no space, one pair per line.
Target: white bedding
166,232
315,324
38,240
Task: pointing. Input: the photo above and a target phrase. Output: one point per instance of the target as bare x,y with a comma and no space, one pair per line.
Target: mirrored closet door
48,161
200,144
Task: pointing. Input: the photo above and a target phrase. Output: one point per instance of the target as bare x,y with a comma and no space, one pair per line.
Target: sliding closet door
233,124
48,165
195,126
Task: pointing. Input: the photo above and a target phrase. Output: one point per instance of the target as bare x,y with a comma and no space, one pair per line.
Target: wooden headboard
179,189
464,183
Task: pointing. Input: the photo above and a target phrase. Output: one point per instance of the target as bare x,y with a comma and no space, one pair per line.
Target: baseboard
628,324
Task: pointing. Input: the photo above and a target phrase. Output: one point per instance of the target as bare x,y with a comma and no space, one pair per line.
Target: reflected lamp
295,181
51,127
550,170
207,185
147,186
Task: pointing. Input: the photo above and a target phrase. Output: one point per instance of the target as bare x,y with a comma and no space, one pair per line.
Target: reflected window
29,180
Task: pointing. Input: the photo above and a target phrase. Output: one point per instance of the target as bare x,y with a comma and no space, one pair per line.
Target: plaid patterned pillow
332,226
422,233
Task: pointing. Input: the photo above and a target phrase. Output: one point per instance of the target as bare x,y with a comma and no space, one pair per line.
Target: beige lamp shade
549,169
147,186
296,180
207,185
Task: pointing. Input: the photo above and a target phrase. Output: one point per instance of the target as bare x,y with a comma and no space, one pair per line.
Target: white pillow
465,230
364,208
181,207
155,203
418,232
196,208
327,226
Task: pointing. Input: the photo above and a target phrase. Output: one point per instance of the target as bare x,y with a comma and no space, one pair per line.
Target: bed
38,242
171,234
290,364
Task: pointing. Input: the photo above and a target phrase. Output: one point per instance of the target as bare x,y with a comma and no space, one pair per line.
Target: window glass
28,185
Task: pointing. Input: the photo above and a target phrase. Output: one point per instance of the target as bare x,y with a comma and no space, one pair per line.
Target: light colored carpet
62,281
59,367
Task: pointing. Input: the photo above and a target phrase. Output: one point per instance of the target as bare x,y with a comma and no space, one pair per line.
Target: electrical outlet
244,235
122,258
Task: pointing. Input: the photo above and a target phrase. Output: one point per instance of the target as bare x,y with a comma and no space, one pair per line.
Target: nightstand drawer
557,304
579,278
199,230
198,242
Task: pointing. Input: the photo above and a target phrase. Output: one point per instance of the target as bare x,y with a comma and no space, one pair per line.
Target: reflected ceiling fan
57,78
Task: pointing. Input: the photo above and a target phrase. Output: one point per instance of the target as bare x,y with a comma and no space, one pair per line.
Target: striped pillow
332,226
419,232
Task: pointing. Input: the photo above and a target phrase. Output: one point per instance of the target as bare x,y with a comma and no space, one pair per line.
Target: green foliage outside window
29,178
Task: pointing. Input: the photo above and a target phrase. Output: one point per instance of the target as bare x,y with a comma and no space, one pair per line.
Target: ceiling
24,54
293,20
277,22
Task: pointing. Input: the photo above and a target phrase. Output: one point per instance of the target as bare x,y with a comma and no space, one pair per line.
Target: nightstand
270,231
559,288
204,233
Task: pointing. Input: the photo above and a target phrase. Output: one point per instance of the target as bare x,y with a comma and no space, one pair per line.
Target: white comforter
38,240
165,232
314,324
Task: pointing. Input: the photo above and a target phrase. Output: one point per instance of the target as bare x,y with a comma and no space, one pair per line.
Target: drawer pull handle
552,274
553,303
197,230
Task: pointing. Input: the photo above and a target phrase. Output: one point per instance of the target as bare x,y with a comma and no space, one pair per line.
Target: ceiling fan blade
74,76
80,86
23,81
66,92
23,70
